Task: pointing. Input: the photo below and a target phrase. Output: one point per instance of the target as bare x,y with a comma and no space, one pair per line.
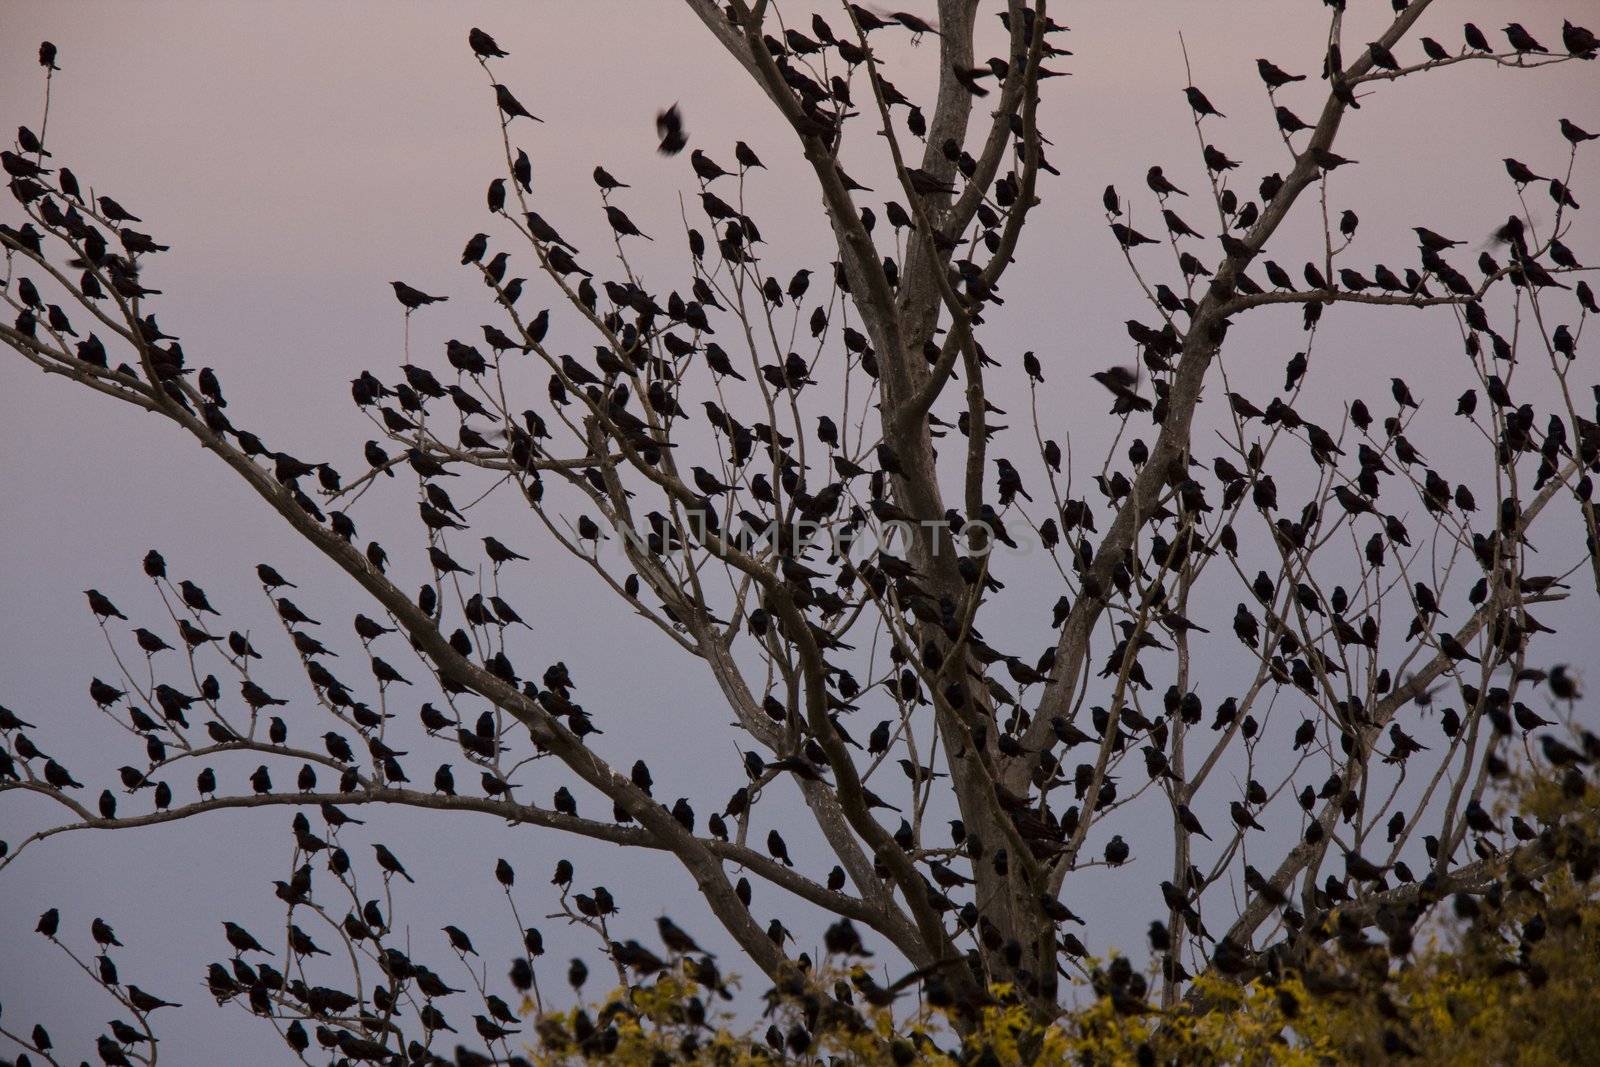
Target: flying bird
669,127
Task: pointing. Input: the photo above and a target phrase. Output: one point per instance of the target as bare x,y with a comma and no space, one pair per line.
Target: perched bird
1242,818
778,849
1200,105
606,182
1519,172
413,298
102,607
1289,122
1160,185
705,168
241,939
388,862
1575,133
675,938
1522,41
484,46
116,212
622,225
510,106
1579,41
1275,77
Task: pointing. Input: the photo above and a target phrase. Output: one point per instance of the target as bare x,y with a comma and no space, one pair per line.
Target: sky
299,156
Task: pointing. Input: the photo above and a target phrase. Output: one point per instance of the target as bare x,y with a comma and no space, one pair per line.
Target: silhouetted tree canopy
1315,629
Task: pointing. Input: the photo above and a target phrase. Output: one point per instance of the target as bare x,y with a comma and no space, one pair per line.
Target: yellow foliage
1515,982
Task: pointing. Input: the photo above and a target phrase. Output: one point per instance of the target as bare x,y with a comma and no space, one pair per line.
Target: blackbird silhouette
1160,185
622,225
388,862
1117,851
102,607
705,168
116,212
510,106
413,298
669,127
675,938
484,46
778,849
1574,133
1275,77
241,939
1579,40
606,182
746,158
1522,41
1200,105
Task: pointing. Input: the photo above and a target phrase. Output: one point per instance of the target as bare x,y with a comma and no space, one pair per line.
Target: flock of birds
650,352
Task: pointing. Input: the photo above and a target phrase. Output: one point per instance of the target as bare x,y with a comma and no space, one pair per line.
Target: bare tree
796,478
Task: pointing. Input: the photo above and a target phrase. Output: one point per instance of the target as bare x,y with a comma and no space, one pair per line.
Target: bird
1519,172
195,597
1117,851
146,1002
1242,817
1160,185
1128,237
484,46
705,168
1289,122
59,777
1189,822
1433,242
778,849
487,1029
102,933
116,212
606,182
102,607
510,106
1521,40
1382,58
676,938
1200,105
1579,41
1275,77
669,127
622,225
241,939
413,298
1575,133
746,158
388,862
499,553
